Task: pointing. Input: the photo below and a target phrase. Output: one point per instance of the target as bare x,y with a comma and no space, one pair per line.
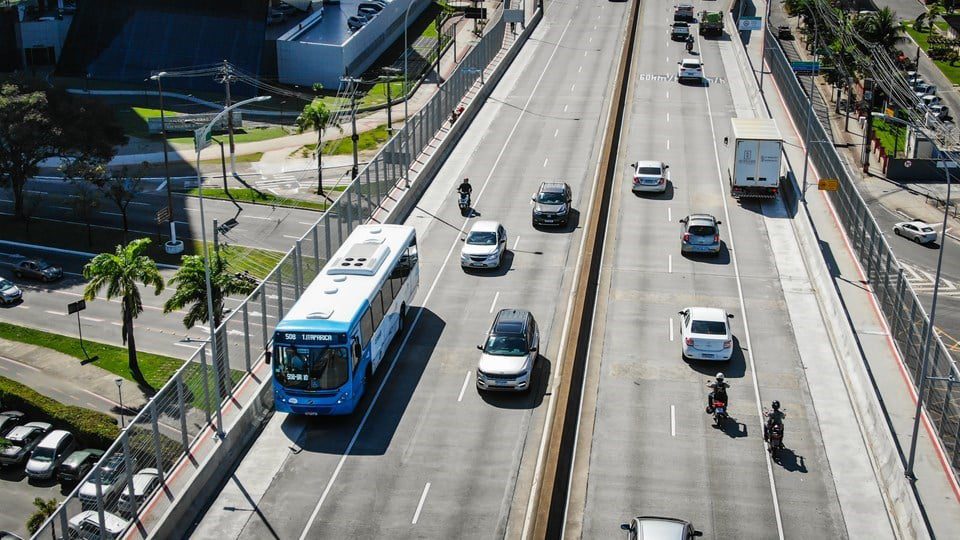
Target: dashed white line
291,237
545,160
62,207
669,264
115,323
668,117
515,242
556,132
466,381
673,421
57,313
580,69
670,321
306,222
668,94
584,53
423,499
494,303
261,217
668,144
565,108
669,214
572,86
135,203
92,319
111,214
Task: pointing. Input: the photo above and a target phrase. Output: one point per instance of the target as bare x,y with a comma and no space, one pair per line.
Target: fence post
128,463
897,303
280,292
223,370
870,254
946,405
326,235
316,247
246,337
64,524
205,375
182,407
263,315
158,450
912,319
101,519
297,270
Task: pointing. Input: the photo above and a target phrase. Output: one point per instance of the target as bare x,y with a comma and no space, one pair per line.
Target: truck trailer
757,152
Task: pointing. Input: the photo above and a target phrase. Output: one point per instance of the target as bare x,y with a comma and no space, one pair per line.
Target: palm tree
45,509
317,116
883,28
120,272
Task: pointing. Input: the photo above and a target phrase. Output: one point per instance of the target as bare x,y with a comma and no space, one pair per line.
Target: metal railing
166,431
897,299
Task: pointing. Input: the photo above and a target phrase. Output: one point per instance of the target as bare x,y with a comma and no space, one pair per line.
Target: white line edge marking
580,69
517,241
556,132
416,319
565,108
743,307
668,117
494,303
52,312
572,86
466,381
668,144
423,499
673,421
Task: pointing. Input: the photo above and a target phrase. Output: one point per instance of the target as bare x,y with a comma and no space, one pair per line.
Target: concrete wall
44,34
920,170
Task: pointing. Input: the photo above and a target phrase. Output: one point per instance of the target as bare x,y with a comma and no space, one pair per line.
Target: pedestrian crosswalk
281,181
922,281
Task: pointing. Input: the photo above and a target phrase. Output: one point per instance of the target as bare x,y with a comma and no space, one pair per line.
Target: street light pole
806,154
406,54
166,160
201,135
120,392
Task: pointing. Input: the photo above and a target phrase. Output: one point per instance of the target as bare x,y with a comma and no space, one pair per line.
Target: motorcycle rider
774,418
718,392
689,43
465,189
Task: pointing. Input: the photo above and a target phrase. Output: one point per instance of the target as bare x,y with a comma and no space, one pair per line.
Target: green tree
38,122
883,28
317,116
190,281
45,509
120,272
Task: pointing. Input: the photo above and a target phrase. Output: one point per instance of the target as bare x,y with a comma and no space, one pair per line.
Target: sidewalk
936,486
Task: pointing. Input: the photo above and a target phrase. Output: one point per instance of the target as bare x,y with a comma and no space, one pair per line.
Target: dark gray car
10,420
551,204
23,439
38,269
701,234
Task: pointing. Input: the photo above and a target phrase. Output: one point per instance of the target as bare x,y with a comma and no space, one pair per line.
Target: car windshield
312,368
4,284
548,197
702,230
43,454
42,264
482,238
714,328
648,170
506,346
691,65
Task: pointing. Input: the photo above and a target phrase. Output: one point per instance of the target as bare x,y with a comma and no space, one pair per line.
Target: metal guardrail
905,315
163,433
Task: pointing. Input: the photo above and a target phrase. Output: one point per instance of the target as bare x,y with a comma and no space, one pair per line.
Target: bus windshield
312,368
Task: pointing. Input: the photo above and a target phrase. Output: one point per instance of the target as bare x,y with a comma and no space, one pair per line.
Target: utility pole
226,78
391,71
868,95
353,123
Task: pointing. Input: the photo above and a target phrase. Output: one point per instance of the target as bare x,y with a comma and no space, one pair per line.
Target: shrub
92,428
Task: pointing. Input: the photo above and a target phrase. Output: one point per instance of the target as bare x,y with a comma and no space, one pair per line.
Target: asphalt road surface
430,456
654,450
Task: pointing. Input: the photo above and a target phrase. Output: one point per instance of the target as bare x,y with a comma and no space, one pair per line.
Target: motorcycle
464,202
690,44
774,436
719,413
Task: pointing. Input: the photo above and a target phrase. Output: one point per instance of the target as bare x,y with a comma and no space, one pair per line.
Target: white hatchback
705,334
918,231
484,246
689,69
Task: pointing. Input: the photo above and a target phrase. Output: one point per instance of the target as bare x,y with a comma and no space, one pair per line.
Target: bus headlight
343,397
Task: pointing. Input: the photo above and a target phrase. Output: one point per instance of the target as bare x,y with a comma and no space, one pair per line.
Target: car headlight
492,256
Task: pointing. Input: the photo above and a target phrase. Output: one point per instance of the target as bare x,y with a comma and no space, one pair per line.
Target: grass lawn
156,369
249,195
245,158
378,93
258,262
369,140
134,119
889,134
952,71
242,135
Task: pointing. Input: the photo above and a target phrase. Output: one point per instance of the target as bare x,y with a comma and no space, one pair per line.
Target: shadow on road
790,461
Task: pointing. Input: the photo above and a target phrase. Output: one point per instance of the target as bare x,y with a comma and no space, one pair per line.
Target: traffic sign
474,13
74,307
201,138
163,215
828,184
805,68
750,23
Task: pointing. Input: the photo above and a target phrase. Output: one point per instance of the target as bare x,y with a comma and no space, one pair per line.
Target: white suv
690,69
484,246
509,352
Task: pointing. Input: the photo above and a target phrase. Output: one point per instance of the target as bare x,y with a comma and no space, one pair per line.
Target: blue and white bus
332,340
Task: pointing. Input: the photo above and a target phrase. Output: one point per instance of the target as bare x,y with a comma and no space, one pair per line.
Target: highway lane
434,458
654,450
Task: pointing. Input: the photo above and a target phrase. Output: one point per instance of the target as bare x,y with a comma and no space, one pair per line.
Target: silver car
9,293
918,231
701,234
650,176
659,528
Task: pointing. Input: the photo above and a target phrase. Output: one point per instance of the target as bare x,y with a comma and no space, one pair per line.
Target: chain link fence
135,472
906,317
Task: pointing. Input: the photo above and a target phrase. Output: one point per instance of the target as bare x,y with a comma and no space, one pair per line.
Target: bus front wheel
403,318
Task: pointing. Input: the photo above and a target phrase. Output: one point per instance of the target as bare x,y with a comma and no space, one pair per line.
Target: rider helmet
775,405
719,377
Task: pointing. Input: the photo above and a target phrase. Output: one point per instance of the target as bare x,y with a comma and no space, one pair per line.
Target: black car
23,439
784,32
551,204
38,269
78,464
10,420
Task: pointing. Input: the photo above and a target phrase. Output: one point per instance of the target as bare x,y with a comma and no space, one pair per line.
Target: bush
91,428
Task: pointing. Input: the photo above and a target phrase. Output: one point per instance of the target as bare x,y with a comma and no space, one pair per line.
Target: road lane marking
670,320
162,185
423,499
189,345
376,397
673,421
21,364
669,214
52,312
545,160
556,132
743,309
572,86
565,108
463,388
668,94
515,242
668,117
494,303
62,207
115,323
668,144
579,69
92,319
669,264
584,53
291,237
135,203
111,214
261,218
306,223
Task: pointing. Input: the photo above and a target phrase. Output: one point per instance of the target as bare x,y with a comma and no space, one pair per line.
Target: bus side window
357,351
366,327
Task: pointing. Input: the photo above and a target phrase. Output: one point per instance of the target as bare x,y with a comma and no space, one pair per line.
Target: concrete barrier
898,495
417,188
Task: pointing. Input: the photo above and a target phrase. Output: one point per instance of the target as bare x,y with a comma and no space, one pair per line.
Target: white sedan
918,231
705,334
650,176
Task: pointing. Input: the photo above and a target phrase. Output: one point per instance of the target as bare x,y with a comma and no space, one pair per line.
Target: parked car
551,204
679,31
918,231
650,176
929,101
38,269
939,111
145,482
86,525
78,464
50,453
10,420
484,246
924,89
784,32
356,22
705,334
509,352
690,69
660,528
23,439
111,479
9,293
701,234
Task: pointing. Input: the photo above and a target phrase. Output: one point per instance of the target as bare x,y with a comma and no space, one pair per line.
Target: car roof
553,187
708,314
511,321
20,432
17,414
39,425
81,455
53,438
702,217
649,163
115,524
144,476
660,528
485,226
691,61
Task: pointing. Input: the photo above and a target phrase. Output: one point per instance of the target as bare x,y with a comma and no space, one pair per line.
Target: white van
50,453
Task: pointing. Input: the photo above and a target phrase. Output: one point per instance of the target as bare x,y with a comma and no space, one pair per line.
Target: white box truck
757,151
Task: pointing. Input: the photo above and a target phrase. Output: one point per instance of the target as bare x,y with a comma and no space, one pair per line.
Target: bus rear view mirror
267,356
